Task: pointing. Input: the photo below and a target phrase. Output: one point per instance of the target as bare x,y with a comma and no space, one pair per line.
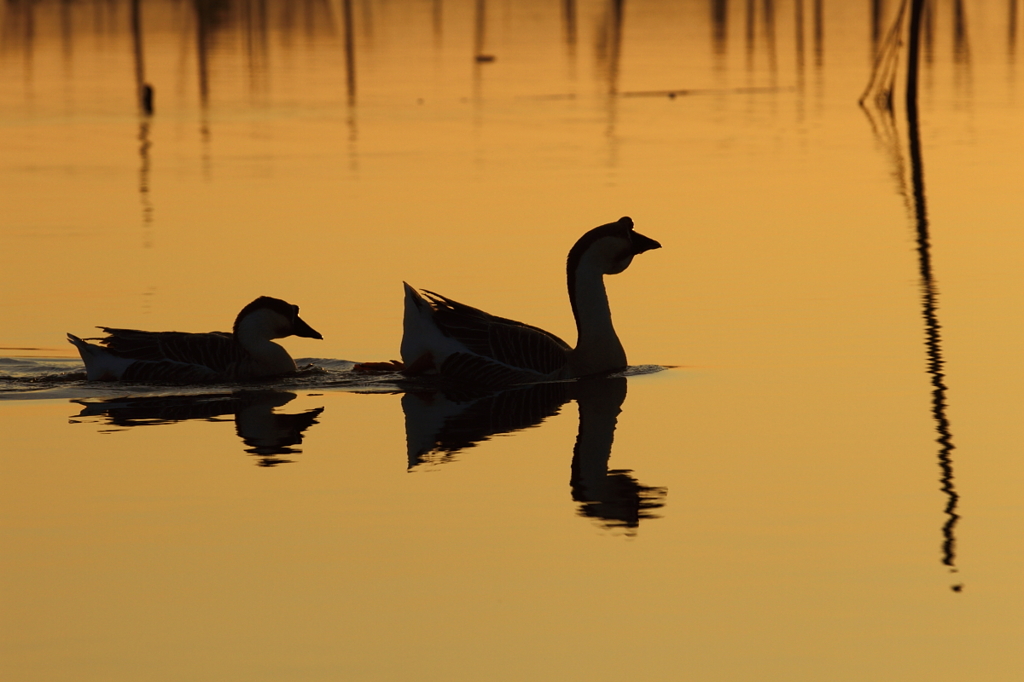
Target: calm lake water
827,482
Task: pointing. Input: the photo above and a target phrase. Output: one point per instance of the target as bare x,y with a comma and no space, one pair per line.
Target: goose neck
598,348
254,333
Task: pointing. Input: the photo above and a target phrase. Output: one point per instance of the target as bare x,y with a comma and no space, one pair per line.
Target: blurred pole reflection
480,58
928,31
66,38
254,34
961,42
348,31
877,23
962,53
143,90
720,33
19,26
749,34
570,31
479,30
144,96
144,169
350,55
437,23
819,35
1011,36
770,46
205,12
609,53
801,59
762,24
441,423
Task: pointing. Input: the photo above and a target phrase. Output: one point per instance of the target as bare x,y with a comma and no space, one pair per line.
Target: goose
447,338
184,358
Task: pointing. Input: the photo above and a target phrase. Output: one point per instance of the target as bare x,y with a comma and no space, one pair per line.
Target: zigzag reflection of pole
879,93
929,293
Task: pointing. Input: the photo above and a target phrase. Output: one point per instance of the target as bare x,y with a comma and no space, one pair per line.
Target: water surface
826,485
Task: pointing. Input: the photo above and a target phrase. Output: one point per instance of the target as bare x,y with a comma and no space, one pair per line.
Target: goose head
608,249
271,318
604,250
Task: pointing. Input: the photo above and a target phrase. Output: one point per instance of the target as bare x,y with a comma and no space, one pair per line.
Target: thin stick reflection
880,94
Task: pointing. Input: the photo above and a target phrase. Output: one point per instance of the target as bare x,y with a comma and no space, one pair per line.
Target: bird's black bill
303,329
642,243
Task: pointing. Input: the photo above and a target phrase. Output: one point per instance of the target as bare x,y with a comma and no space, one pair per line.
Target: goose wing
170,372
217,352
516,345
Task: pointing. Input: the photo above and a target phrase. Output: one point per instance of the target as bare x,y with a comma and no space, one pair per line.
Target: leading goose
445,337
245,354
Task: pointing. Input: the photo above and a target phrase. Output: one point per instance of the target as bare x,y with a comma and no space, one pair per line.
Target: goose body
244,354
445,337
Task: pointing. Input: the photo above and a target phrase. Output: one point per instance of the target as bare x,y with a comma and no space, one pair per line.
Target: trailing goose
445,337
185,358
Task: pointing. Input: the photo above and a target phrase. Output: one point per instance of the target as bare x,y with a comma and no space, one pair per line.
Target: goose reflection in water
440,423
269,435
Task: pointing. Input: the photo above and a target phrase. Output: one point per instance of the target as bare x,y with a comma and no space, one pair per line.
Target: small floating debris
484,58
672,94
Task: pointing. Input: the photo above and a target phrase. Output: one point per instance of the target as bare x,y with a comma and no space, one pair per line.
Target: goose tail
417,322
424,344
100,364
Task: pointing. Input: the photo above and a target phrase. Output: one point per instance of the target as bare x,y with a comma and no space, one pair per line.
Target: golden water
794,460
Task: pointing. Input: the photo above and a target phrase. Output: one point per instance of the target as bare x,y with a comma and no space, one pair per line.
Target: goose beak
642,243
303,329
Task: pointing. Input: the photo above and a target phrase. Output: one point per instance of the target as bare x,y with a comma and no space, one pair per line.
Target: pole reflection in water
720,32
254,29
880,94
929,293
268,434
144,173
350,52
350,81
480,60
207,18
609,52
144,93
143,90
1011,36
570,32
437,23
439,424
